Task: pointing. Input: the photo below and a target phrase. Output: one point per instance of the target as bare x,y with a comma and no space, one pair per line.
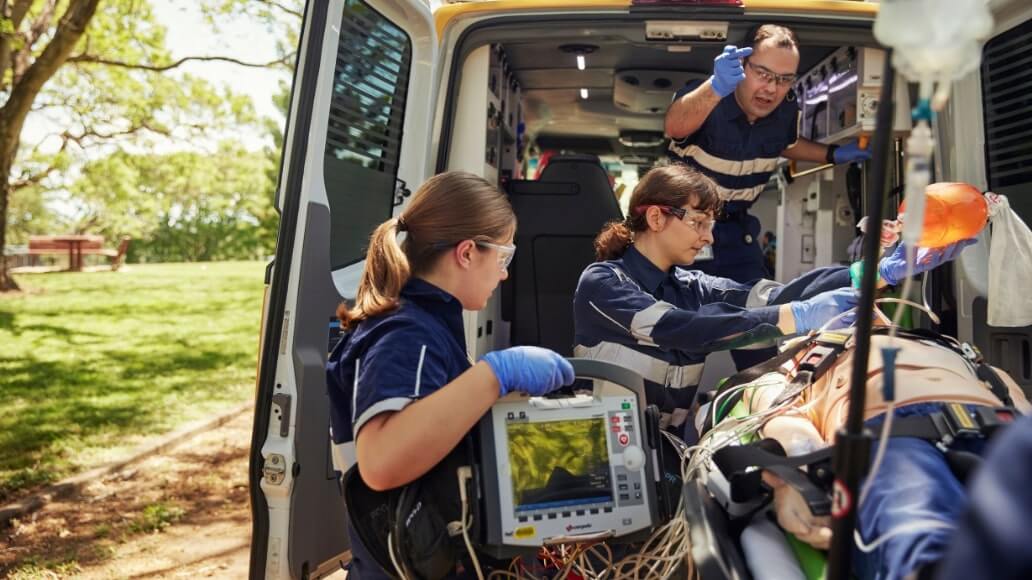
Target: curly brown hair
673,184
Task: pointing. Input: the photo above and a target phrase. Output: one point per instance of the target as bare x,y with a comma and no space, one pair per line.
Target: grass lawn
93,363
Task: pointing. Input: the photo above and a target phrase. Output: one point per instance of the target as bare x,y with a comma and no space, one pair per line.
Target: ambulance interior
567,145
573,114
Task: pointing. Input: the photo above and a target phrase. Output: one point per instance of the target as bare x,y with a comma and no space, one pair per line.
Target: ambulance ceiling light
580,51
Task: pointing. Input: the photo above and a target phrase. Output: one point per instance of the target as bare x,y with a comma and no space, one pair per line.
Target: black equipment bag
413,519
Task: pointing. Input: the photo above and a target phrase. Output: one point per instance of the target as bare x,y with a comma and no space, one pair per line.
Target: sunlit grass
92,363
156,517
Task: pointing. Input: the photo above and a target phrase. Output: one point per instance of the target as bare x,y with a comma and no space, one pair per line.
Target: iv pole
853,442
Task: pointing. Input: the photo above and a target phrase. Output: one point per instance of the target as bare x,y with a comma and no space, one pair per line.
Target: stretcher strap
919,427
751,374
768,366
737,463
996,384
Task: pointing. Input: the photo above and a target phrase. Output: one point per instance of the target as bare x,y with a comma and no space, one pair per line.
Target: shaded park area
92,364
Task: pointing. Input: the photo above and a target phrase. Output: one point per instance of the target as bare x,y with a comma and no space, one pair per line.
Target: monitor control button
633,458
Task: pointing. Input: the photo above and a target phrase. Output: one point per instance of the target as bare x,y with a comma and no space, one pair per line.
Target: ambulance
561,102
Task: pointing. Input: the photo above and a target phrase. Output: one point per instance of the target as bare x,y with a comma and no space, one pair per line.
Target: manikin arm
797,435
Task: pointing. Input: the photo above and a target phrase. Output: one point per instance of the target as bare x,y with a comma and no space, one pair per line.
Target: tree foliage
183,206
99,77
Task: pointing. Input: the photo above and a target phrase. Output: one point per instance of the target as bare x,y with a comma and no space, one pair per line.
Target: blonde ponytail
386,272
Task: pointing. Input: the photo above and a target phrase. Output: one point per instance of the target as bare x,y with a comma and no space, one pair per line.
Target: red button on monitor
615,418
624,439
616,429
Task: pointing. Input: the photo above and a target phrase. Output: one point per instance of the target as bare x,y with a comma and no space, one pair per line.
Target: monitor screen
559,463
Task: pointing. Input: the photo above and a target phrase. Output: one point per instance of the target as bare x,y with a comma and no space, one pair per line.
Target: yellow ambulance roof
448,12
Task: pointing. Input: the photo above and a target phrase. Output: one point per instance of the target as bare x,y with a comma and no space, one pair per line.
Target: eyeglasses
505,253
768,76
701,226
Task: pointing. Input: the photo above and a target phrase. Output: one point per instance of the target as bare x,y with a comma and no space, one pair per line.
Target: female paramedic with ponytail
637,306
400,382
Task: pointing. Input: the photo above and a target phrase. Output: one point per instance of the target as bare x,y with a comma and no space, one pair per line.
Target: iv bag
932,40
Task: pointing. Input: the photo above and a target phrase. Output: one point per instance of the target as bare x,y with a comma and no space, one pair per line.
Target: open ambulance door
357,141
988,142
1008,171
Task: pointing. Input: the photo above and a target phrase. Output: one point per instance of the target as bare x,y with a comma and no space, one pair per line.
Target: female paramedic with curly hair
638,307
400,382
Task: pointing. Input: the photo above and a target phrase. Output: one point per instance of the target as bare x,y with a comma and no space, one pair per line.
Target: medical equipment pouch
412,520
371,514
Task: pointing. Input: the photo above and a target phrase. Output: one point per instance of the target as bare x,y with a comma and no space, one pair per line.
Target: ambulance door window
1007,106
1007,98
363,141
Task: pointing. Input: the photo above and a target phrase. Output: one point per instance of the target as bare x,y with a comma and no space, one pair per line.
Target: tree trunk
19,102
7,283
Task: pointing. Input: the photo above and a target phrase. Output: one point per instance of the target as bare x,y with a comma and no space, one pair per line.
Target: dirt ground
182,514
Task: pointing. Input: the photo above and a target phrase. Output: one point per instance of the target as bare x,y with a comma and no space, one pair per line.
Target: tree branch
94,59
38,177
282,8
40,24
36,29
19,10
12,115
16,13
90,132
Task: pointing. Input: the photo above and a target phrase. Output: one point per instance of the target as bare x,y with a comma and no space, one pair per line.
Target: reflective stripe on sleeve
650,368
644,322
760,293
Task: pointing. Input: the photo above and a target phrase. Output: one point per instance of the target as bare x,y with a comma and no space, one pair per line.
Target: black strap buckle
818,360
823,354
957,422
992,418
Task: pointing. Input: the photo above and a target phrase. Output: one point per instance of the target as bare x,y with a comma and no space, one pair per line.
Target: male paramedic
733,127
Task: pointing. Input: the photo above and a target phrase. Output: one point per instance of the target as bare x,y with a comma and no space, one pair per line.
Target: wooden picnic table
75,244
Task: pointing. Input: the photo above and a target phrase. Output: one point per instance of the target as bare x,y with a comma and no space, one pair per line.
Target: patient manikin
908,511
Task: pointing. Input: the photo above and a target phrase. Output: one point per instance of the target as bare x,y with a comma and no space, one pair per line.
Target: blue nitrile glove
813,313
893,268
529,369
728,70
850,152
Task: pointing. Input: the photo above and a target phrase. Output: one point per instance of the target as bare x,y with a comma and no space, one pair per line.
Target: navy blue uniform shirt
389,361
663,324
392,360
740,157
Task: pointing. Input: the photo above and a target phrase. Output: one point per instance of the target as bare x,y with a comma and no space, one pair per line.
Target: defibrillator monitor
568,469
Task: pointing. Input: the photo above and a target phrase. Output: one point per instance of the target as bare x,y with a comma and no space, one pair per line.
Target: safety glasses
768,76
505,253
702,226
